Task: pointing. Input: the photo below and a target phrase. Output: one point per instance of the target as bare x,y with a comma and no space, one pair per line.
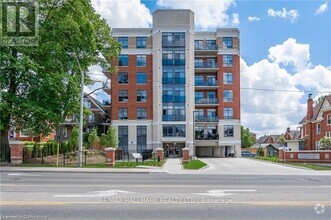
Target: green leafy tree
282,140
260,152
110,139
325,143
93,137
39,86
246,138
73,140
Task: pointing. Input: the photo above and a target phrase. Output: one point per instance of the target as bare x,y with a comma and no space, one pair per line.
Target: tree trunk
4,146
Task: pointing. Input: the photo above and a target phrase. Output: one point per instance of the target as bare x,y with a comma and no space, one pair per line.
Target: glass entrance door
173,150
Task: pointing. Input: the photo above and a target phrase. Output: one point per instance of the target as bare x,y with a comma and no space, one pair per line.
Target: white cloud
292,15
271,112
322,8
208,13
291,53
124,14
253,18
235,19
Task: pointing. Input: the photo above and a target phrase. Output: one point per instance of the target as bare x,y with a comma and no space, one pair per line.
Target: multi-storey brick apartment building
177,88
317,123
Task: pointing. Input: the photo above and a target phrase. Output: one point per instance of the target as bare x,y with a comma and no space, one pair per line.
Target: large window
173,130
141,42
227,60
141,95
228,130
227,42
123,78
318,128
141,78
173,112
198,96
141,138
90,118
141,113
228,96
122,113
123,138
123,60
228,78
329,119
141,60
228,113
123,41
123,96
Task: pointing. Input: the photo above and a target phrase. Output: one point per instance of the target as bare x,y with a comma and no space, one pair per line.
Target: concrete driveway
253,167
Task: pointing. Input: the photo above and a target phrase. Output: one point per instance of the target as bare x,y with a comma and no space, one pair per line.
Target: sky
285,49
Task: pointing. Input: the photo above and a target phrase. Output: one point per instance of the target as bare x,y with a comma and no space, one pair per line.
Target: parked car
247,154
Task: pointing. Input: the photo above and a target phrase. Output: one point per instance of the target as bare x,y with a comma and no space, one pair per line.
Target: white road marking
95,194
21,174
220,193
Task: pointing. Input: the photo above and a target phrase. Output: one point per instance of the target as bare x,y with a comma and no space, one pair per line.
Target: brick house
317,123
293,139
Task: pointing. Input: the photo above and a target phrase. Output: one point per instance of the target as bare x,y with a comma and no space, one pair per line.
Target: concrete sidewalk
172,165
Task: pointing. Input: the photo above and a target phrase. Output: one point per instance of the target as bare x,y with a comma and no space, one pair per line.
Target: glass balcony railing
173,117
206,83
204,118
173,80
167,62
206,65
167,98
206,101
206,136
208,47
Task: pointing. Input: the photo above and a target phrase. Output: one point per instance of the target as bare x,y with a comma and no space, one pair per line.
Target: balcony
201,137
207,102
206,118
207,67
171,62
173,117
206,84
173,80
170,98
206,50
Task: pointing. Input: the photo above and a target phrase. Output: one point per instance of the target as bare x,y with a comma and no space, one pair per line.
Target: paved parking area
253,167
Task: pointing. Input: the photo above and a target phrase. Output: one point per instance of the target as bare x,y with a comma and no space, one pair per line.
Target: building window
141,96
123,96
228,130
141,138
328,134
318,128
123,41
174,131
227,60
228,96
141,113
65,131
123,138
329,119
123,60
141,60
227,42
122,113
91,118
87,104
141,42
123,78
228,113
228,78
141,78
211,45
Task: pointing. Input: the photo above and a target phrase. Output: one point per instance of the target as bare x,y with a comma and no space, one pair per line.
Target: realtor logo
18,23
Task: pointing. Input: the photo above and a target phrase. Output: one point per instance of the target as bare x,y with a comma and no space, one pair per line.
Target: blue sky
285,46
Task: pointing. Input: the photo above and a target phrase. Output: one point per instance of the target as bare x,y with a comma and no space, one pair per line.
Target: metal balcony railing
206,83
206,101
206,65
206,118
208,47
206,137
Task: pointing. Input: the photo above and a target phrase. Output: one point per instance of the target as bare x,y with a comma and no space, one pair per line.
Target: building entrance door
173,150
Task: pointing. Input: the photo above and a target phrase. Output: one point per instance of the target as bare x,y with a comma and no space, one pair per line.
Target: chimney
288,130
309,107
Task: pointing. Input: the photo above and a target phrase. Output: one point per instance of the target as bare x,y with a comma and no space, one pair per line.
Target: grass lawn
194,165
311,166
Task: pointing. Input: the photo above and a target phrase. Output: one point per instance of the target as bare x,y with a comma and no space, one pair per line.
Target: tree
39,86
260,152
110,139
73,140
325,143
246,138
93,137
282,140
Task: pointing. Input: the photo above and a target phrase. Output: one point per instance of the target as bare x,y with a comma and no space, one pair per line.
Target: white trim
136,51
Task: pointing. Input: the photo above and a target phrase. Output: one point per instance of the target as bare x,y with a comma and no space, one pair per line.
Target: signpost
137,156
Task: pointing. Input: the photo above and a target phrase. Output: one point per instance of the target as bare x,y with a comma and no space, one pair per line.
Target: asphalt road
70,195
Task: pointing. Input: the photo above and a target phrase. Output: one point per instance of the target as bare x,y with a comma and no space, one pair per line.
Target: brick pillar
16,152
186,155
110,156
159,154
281,155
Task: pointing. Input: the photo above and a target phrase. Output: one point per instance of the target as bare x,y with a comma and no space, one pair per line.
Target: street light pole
80,132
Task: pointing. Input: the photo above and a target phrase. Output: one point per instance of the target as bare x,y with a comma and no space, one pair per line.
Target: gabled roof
316,110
